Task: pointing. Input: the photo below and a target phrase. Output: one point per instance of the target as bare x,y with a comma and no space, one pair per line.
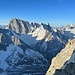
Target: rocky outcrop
68,68
19,26
7,38
60,60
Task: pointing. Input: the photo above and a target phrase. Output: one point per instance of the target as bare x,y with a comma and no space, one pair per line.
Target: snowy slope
12,51
34,54
2,26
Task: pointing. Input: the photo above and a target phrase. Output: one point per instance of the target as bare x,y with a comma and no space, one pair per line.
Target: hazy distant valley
28,48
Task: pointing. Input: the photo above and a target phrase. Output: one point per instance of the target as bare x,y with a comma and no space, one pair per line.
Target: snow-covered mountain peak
37,45
2,26
69,30
71,26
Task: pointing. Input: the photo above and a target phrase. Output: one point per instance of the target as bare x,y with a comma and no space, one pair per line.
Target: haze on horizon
56,12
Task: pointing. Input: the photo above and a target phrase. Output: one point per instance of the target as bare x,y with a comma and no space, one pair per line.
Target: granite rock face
19,26
63,63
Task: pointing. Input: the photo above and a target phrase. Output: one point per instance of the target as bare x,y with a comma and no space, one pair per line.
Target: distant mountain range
28,48
69,30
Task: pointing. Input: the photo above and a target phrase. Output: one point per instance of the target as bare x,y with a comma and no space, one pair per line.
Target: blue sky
56,12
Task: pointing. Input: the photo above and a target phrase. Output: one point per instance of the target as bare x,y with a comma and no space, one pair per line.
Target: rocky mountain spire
19,26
